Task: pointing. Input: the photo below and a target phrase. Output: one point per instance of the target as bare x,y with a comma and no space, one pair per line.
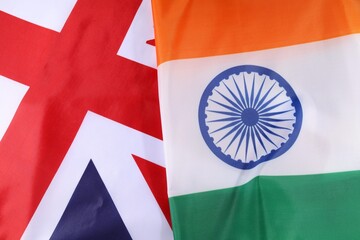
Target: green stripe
325,206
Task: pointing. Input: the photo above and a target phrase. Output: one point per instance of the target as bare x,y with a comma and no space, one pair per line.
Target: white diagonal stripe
51,14
11,94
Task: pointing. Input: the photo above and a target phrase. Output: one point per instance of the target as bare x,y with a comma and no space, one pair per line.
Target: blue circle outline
275,152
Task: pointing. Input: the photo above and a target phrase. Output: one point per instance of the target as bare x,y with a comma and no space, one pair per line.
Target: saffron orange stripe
190,29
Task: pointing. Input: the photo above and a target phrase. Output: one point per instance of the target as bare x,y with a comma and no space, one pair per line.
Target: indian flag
261,117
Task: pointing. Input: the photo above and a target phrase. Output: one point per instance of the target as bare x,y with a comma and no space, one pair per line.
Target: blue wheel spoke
247,141
272,107
274,113
264,97
240,141
269,101
259,92
225,113
240,93
229,132
253,141
229,119
240,130
235,105
259,138
269,131
277,119
226,126
265,136
235,97
246,92
225,106
252,92
274,126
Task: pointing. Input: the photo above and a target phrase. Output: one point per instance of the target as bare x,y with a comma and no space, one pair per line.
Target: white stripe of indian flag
325,76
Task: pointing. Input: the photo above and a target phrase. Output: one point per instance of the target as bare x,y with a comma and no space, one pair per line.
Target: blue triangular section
91,213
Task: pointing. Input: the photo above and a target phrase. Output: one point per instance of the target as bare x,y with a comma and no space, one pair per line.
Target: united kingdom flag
80,153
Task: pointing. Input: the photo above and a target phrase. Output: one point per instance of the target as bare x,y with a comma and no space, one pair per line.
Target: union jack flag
81,152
